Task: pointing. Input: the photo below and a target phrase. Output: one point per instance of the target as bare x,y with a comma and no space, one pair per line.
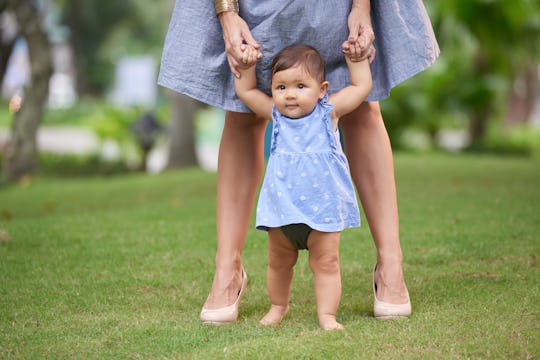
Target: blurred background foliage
484,87
102,31
490,53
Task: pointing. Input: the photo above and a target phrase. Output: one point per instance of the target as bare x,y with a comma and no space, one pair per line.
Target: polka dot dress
307,178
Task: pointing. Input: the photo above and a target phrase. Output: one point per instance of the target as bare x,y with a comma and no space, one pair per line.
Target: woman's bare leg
240,166
370,158
282,256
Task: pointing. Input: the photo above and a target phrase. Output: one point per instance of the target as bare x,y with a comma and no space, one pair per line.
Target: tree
488,69
182,143
490,45
20,156
90,23
6,43
102,31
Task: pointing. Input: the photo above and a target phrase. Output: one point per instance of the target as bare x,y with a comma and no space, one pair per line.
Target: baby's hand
355,53
250,56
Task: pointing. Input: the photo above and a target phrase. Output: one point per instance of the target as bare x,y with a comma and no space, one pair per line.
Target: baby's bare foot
274,315
334,326
329,323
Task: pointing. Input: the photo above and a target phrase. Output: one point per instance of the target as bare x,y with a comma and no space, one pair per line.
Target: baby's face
295,93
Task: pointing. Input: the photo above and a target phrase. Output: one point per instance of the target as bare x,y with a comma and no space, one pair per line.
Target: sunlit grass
119,268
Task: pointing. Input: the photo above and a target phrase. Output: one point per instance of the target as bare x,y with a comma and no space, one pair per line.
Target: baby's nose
290,93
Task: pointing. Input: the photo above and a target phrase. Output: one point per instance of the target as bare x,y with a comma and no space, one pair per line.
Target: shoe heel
387,311
227,314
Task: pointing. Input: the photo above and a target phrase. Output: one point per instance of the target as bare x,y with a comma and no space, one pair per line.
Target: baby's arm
350,97
246,86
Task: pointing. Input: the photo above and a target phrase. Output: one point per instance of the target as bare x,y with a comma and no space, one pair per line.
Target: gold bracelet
226,5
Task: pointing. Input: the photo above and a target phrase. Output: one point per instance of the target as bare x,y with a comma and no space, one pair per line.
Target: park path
61,139
80,141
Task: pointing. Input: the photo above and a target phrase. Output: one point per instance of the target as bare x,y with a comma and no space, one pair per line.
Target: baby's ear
324,89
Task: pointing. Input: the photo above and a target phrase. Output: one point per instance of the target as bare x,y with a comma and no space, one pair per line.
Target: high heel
385,311
227,314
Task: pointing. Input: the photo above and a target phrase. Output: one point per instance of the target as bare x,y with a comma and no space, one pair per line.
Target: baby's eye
301,86
281,87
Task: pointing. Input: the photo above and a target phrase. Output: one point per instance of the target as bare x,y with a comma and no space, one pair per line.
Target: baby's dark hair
300,54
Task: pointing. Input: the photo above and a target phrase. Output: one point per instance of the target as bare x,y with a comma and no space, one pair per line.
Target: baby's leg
324,262
282,256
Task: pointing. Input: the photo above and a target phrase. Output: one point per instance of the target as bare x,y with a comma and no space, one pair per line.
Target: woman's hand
359,45
236,35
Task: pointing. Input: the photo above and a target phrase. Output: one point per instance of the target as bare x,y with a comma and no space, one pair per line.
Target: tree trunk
523,96
482,105
75,40
478,126
5,52
182,143
21,157
7,42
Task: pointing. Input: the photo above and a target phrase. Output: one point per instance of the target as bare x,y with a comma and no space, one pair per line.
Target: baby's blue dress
194,60
307,178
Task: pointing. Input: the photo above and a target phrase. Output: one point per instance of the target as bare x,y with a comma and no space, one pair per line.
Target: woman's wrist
362,5
361,10
222,6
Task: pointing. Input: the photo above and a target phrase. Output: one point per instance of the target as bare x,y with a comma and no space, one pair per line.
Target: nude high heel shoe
385,311
227,314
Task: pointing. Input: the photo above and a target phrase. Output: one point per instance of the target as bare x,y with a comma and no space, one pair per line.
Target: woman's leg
240,165
370,158
282,256
324,263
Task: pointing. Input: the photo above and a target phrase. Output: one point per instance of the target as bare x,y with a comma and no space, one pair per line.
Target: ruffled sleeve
325,104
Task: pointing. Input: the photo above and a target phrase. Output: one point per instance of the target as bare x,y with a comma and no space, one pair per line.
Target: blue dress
194,61
307,178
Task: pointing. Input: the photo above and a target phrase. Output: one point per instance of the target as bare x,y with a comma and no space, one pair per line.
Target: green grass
119,267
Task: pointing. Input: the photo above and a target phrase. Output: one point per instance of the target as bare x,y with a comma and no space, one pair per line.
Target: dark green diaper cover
297,234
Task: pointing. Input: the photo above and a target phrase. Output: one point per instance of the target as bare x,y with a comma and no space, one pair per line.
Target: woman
202,49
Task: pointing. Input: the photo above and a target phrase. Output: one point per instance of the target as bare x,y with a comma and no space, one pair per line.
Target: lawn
119,267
